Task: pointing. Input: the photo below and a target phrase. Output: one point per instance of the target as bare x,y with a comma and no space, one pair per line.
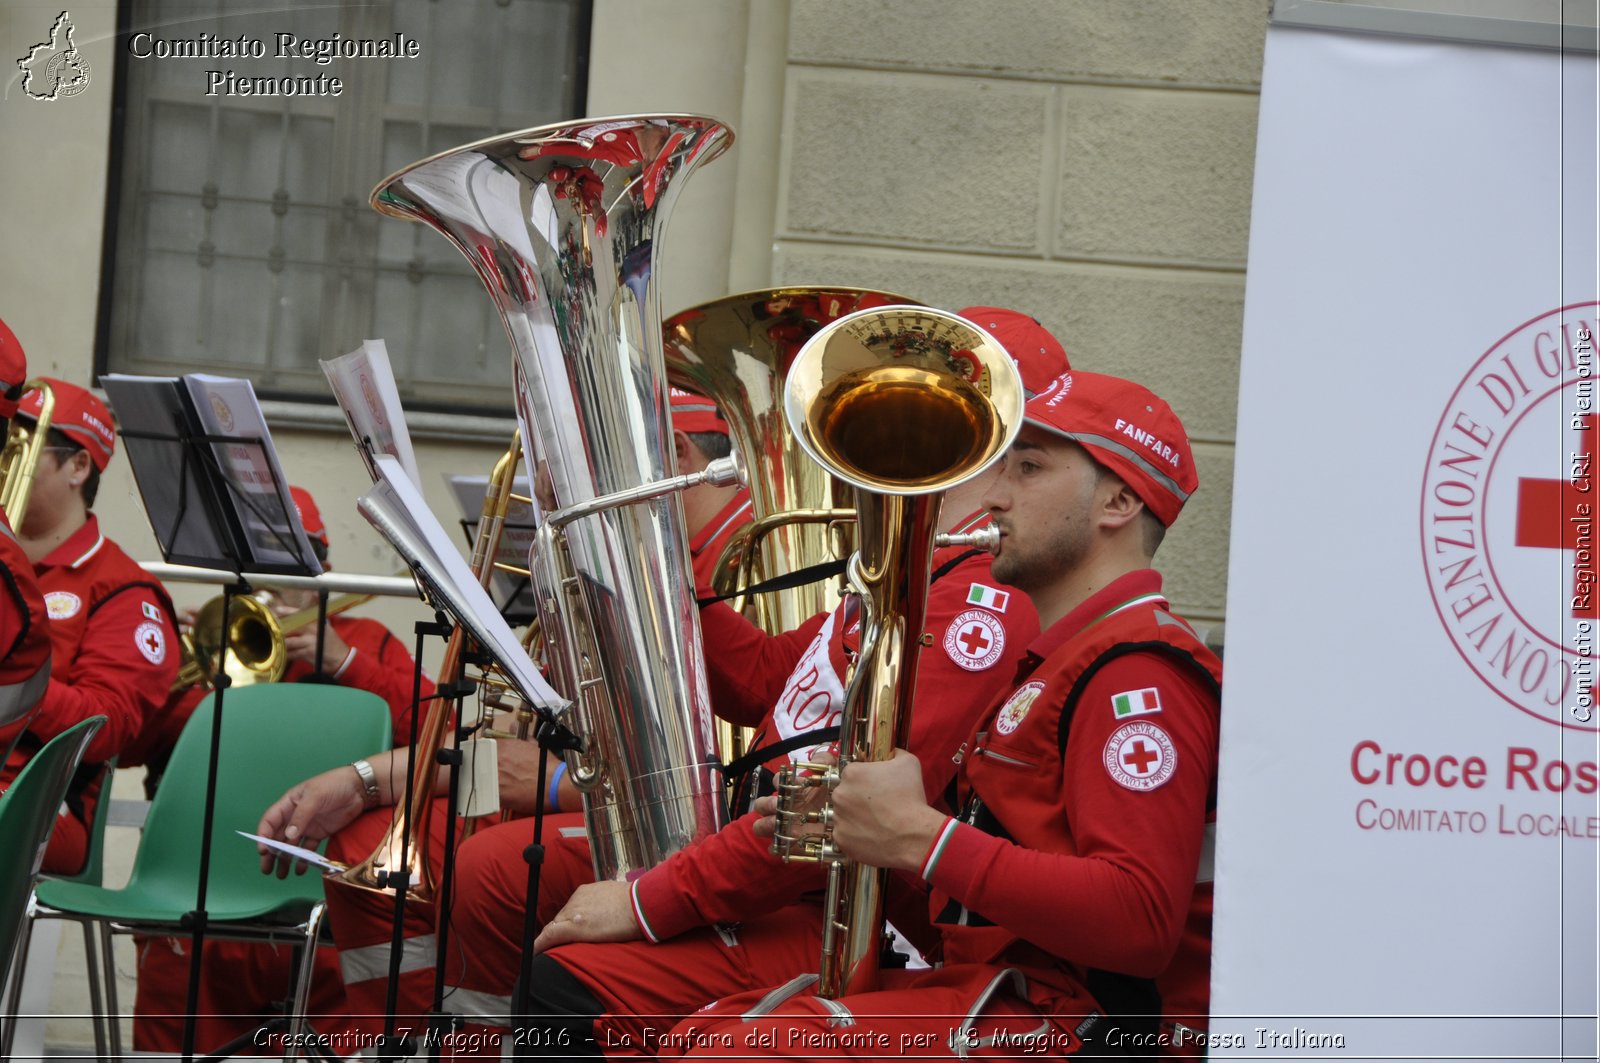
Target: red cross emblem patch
1140,756
152,642
975,639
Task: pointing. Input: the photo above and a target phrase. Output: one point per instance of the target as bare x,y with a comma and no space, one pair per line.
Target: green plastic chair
273,736
93,872
27,814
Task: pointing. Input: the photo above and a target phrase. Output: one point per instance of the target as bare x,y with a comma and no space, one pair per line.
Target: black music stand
206,499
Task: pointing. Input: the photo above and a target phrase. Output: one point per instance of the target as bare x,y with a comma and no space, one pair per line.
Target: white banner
1409,823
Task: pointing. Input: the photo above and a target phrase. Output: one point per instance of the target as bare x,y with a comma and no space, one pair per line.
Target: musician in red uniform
789,686
1072,888
241,979
357,652
24,635
339,804
111,627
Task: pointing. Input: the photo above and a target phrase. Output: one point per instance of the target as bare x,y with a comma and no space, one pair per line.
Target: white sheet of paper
310,856
363,384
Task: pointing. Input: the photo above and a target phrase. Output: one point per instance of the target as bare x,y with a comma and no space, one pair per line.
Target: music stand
209,541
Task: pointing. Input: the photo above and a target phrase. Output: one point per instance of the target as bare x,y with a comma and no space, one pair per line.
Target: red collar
737,506
77,548
1124,590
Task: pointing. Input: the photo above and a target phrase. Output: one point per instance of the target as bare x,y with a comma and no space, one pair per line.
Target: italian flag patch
1135,703
988,597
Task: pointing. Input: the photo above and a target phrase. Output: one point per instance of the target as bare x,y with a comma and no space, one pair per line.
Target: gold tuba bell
903,404
564,226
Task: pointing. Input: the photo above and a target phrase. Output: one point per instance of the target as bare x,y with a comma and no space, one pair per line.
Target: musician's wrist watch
369,782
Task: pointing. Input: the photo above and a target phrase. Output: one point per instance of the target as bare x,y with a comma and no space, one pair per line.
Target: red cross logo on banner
1549,513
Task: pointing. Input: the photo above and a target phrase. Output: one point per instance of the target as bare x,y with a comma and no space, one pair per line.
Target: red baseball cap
1039,356
13,371
693,413
78,415
1128,429
310,515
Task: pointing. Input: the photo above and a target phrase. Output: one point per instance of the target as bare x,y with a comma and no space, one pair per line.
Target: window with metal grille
239,236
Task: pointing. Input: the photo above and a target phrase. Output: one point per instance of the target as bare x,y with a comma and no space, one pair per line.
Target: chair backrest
94,865
273,736
27,813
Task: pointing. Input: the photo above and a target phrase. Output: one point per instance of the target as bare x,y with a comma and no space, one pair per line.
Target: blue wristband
553,798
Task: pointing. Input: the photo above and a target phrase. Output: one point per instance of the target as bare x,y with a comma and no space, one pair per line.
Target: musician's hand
813,798
302,646
309,813
186,617
596,911
519,774
880,815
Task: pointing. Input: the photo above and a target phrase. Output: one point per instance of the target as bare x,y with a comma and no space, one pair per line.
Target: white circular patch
1140,756
975,640
152,642
1009,718
61,604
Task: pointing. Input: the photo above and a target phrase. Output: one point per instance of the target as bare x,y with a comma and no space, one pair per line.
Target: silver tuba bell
563,224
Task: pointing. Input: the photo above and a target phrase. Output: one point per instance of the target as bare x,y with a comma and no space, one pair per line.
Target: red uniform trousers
241,981
486,920
947,1012
646,989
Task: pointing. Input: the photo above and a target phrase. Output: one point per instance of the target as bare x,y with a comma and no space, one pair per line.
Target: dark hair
91,486
713,445
1151,530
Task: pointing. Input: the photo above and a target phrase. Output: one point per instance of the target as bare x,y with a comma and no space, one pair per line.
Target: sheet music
397,509
310,856
363,384
178,496
516,537
227,406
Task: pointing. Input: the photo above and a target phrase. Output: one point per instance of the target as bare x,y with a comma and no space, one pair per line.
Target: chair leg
97,1011
19,967
302,984
108,959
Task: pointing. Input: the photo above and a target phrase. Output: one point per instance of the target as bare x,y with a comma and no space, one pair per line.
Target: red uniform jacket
798,677
115,653
707,544
1096,855
24,639
377,662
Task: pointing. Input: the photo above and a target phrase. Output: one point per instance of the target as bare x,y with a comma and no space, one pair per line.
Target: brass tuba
563,224
737,350
903,404
20,456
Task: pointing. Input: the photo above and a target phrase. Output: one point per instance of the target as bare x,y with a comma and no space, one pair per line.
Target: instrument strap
765,753
788,581
816,574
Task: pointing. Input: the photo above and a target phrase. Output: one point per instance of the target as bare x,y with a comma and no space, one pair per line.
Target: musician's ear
684,450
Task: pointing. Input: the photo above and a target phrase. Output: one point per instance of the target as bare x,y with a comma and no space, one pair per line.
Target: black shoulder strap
1122,650
765,753
155,588
798,578
950,565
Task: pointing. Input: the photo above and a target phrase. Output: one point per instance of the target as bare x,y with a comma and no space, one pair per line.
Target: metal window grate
241,237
